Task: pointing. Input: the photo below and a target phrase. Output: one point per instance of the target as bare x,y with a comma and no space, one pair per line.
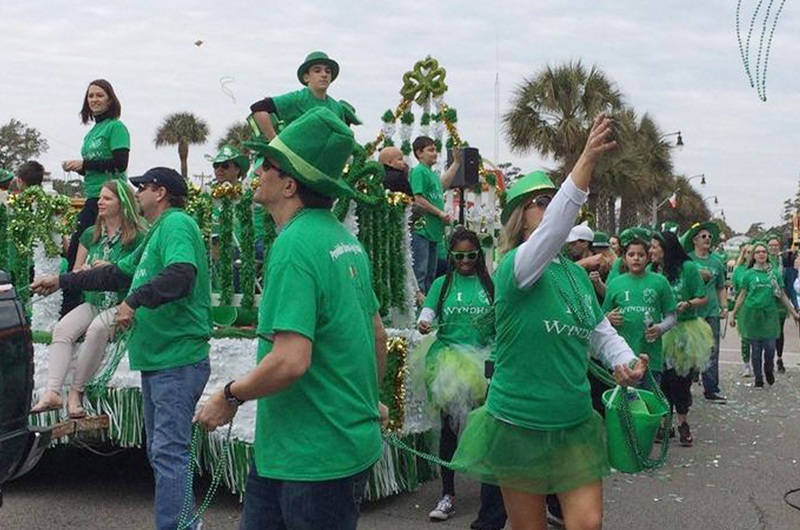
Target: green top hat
636,233
229,153
349,112
524,188
314,150
317,58
601,240
687,239
5,176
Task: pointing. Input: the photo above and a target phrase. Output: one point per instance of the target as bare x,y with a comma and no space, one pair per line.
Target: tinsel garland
3,237
270,233
247,249
393,389
200,208
225,263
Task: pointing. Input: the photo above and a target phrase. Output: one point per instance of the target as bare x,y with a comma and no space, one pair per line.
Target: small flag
673,200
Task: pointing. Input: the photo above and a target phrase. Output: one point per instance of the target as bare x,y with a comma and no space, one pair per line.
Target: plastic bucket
646,412
223,315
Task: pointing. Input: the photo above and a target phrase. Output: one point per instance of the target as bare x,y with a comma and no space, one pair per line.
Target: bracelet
230,398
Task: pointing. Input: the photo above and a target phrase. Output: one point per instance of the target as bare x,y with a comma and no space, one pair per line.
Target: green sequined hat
317,58
636,233
524,188
313,149
228,153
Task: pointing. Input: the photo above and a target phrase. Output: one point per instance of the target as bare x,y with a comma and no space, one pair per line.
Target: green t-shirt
176,333
777,271
637,296
717,281
325,425
427,183
465,302
616,270
761,314
738,275
108,249
292,105
688,286
105,137
541,356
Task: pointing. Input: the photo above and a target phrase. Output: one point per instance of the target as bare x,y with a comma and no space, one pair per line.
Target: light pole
716,200
657,205
678,143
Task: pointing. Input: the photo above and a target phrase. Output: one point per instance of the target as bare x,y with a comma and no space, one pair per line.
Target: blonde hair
743,252
513,232
130,227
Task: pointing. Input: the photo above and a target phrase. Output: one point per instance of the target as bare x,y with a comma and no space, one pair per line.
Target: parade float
34,223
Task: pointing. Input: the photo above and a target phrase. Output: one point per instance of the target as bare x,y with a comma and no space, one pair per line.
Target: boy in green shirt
321,348
316,73
429,197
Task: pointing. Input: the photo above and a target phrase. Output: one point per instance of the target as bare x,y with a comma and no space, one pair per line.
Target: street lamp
701,176
678,143
721,213
716,200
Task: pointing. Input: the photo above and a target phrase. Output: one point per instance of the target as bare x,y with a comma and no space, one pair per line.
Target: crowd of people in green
508,372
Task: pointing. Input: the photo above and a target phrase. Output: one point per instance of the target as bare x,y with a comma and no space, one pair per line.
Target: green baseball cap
317,58
524,188
313,149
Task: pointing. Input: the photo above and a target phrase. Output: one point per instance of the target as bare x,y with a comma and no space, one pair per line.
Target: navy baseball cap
166,177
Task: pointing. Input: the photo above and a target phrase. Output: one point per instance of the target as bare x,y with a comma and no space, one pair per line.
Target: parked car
20,446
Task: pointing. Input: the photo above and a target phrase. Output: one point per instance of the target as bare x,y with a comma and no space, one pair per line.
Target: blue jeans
767,348
170,397
424,253
711,375
271,504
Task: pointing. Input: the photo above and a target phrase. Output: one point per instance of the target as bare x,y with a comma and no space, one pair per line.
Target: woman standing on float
537,433
104,156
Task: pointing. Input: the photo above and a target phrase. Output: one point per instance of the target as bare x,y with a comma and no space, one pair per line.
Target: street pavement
745,458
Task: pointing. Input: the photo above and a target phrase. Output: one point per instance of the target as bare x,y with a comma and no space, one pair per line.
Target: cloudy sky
677,60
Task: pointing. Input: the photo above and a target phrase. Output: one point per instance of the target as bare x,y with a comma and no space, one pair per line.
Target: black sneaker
686,439
759,384
770,376
781,368
716,398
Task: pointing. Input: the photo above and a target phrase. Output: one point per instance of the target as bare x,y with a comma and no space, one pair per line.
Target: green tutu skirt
529,460
688,346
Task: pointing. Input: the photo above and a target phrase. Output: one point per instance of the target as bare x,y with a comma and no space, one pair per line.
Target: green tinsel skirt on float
529,460
688,346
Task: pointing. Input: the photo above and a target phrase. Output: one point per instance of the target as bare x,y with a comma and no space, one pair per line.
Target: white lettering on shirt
341,249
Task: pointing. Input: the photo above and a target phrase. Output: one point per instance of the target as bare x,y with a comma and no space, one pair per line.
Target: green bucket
630,452
223,315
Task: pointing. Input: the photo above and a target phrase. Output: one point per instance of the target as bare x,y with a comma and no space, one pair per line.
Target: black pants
779,341
678,391
448,441
597,388
86,218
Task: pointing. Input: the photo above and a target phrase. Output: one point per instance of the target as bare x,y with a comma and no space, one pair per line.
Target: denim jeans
425,258
170,397
767,348
271,504
711,375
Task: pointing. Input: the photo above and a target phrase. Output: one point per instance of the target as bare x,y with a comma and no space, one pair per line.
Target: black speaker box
467,174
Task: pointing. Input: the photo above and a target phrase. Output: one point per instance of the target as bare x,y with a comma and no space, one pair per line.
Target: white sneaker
444,509
748,370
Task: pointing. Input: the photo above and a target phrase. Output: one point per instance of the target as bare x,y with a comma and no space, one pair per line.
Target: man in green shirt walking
428,191
321,347
168,312
698,242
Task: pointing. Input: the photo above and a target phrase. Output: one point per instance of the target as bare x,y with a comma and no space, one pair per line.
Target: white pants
97,328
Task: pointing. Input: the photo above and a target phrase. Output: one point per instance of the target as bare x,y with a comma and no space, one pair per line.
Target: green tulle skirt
529,460
688,346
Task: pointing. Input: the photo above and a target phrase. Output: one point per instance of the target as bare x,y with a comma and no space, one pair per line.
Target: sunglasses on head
224,165
460,256
542,201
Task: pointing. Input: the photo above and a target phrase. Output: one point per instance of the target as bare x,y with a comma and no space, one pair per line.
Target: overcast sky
677,60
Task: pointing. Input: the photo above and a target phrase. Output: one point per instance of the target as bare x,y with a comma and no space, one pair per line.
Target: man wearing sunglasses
698,242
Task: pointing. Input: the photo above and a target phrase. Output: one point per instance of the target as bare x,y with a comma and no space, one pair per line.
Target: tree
182,129
552,113
691,206
510,173
236,135
19,143
755,230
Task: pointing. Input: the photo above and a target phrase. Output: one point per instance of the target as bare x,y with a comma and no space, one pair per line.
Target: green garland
225,263
247,249
200,208
3,238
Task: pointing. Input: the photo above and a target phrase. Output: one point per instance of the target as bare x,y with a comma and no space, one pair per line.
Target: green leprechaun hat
5,176
524,188
317,58
314,150
228,153
636,233
687,239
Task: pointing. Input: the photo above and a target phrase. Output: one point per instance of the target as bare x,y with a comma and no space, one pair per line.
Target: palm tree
691,208
182,129
552,112
236,135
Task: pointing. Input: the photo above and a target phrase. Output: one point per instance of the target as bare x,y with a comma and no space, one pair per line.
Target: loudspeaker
467,174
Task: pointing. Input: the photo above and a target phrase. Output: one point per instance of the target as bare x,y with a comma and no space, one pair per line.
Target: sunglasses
460,256
266,165
703,236
542,201
224,165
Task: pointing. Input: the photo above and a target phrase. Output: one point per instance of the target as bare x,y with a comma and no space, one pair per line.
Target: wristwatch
230,398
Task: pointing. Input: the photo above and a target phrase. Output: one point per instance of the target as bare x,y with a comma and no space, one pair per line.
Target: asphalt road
745,458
